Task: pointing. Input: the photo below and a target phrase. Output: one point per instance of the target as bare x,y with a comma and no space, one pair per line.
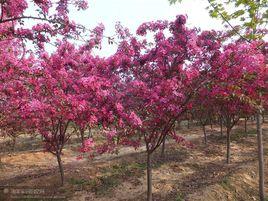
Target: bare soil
198,174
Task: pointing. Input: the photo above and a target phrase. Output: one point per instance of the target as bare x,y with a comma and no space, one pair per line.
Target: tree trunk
211,124
82,135
89,133
178,125
60,167
163,147
260,156
13,143
221,127
205,134
188,124
149,178
246,128
228,141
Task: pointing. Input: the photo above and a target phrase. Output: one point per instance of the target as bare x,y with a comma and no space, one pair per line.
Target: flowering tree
235,89
13,70
155,86
247,20
20,94
203,109
52,103
137,94
65,87
48,19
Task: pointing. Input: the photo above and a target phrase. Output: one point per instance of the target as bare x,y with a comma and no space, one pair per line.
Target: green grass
111,177
196,166
265,150
225,183
124,169
100,185
138,166
179,197
239,134
75,181
106,184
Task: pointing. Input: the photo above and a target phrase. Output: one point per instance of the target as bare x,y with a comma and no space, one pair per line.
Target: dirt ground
198,174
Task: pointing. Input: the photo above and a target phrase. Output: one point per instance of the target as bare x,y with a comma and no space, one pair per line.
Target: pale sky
131,13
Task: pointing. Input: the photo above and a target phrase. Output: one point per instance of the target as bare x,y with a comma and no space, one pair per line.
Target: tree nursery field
181,174
174,113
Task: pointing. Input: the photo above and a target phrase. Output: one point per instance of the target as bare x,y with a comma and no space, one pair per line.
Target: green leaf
213,13
237,14
175,1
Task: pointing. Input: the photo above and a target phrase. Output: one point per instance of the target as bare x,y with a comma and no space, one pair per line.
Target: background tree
246,19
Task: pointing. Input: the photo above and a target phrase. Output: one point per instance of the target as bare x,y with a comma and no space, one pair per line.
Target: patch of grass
115,174
179,197
124,169
225,183
265,150
195,166
238,134
138,166
111,177
75,181
105,184
100,185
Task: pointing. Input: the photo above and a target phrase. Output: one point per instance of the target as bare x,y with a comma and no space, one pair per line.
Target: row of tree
137,95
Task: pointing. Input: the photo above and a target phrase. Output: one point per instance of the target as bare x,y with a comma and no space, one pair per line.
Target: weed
75,181
179,197
225,183
106,183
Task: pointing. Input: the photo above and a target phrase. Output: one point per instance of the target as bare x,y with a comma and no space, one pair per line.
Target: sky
132,13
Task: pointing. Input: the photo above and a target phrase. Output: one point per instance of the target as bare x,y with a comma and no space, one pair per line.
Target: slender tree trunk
211,124
60,167
163,147
260,156
89,132
13,143
149,178
228,142
221,127
205,134
33,136
178,125
188,124
82,135
246,128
